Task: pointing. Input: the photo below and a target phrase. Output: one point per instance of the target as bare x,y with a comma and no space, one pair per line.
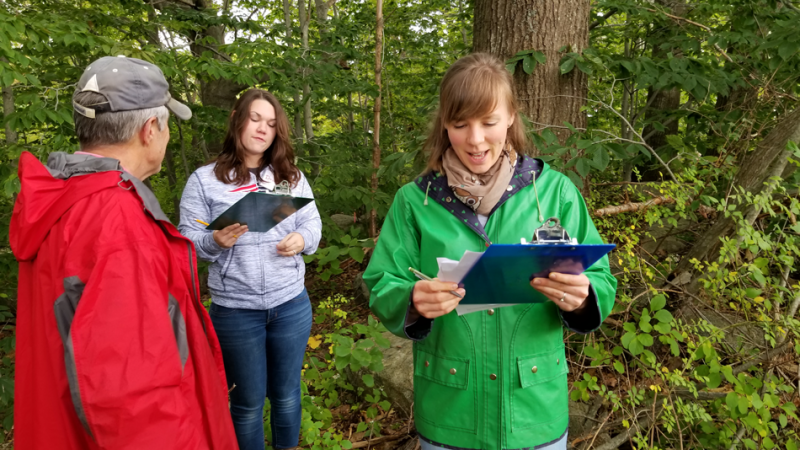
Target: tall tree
505,27
661,102
376,132
298,118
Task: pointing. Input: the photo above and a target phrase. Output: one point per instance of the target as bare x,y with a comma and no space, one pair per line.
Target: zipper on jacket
195,289
227,267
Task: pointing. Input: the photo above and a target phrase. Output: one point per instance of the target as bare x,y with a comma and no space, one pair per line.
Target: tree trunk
305,20
298,118
8,109
662,101
505,27
755,169
376,149
172,182
627,107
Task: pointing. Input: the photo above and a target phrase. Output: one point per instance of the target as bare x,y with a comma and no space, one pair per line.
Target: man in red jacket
114,349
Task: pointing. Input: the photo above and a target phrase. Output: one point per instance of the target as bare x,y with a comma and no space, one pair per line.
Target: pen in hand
424,277
200,221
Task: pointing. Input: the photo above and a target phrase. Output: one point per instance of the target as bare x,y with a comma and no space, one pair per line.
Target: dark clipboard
504,271
260,211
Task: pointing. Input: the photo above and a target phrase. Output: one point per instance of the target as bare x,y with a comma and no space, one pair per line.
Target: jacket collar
435,186
63,166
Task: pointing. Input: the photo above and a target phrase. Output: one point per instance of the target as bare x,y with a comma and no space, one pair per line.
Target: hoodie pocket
227,266
240,273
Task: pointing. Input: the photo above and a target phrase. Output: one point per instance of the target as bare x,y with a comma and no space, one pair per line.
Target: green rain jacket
494,379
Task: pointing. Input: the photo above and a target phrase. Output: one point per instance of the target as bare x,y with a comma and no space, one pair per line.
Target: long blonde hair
471,88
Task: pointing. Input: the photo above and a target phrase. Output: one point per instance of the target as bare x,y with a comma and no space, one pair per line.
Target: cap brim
179,109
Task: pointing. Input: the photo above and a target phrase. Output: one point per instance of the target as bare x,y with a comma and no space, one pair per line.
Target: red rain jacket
114,349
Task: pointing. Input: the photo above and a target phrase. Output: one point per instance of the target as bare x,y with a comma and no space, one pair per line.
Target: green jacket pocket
453,372
443,395
542,381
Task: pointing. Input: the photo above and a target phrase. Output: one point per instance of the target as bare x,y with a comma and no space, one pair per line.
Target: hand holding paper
433,298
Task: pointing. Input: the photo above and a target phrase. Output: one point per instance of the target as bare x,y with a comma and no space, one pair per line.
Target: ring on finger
563,297
235,236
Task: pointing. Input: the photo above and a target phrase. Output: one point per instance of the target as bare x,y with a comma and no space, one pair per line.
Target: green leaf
583,167
658,302
791,444
347,444
365,344
636,347
732,400
567,64
356,253
585,67
714,380
645,339
662,328
787,49
368,380
689,83
663,316
511,67
743,404
576,180
619,367
341,350
549,136
627,338
783,420
645,326
628,65
528,64
757,403
752,292
601,159
361,356
540,57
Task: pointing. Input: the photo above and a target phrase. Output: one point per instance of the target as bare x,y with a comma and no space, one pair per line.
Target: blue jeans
263,354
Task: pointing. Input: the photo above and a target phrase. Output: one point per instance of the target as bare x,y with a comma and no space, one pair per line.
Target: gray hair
111,128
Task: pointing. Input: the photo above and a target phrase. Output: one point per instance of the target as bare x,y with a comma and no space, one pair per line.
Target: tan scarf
479,191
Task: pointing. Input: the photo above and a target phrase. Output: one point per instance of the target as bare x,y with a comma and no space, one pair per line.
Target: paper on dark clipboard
260,211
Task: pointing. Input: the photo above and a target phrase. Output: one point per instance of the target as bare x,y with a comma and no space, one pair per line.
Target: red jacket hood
48,192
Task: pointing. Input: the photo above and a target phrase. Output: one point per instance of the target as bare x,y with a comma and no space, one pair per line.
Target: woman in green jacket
493,379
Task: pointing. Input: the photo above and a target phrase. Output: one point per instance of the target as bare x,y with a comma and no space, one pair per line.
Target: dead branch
761,358
370,442
629,207
623,437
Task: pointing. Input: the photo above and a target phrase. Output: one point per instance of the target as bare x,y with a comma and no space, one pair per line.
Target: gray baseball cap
127,84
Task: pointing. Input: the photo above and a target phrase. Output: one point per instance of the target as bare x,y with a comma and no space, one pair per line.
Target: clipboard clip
551,232
283,189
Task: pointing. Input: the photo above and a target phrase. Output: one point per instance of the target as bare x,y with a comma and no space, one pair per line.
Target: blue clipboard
504,272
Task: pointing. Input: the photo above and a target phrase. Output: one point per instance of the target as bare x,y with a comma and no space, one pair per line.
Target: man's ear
232,113
149,130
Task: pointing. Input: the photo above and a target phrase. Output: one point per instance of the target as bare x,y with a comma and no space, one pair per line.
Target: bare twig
628,207
370,442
